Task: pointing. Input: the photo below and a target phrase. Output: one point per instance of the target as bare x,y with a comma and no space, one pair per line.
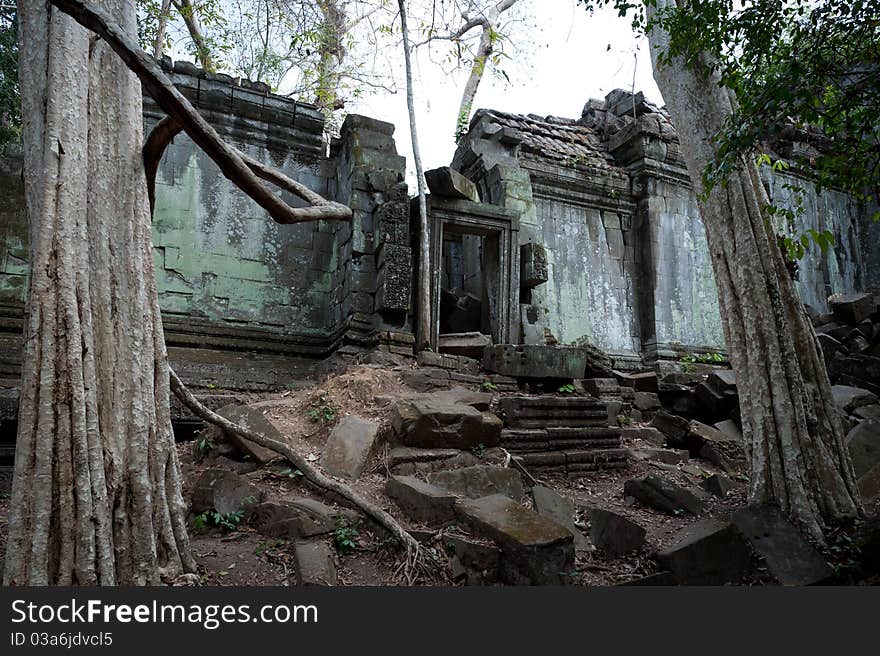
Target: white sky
569,63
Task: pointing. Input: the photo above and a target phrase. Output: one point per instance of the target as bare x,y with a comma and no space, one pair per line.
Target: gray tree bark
96,495
423,317
798,458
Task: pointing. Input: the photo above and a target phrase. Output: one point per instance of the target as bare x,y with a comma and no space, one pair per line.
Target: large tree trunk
96,494
798,458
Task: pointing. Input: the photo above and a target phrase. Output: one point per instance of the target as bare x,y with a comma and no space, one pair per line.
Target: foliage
688,362
323,410
206,444
801,70
479,450
568,388
227,521
488,386
345,537
10,94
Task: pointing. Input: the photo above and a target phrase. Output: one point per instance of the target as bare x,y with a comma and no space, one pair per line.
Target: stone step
514,403
559,445
574,462
568,422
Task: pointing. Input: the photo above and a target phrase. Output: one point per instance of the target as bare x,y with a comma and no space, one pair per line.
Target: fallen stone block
428,423
449,183
675,428
251,418
667,456
716,447
852,308
421,501
349,446
550,503
480,481
647,434
646,401
863,443
708,552
475,562
225,492
789,557
613,534
294,518
729,428
315,563
849,398
868,412
718,485
664,495
535,550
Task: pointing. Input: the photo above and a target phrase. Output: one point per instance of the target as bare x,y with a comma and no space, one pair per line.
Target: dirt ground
245,557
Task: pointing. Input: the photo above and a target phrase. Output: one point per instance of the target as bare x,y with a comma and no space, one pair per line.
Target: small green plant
227,521
488,386
323,411
206,444
623,420
479,450
568,388
345,537
688,361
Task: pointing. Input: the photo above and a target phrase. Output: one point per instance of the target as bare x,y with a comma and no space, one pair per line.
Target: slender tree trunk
798,458
423,319
96,495
194,26
331,53
161,27
489,24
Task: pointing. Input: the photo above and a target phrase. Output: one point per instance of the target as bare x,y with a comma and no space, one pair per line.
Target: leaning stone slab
535,550
253,419
349,446
664,495
480,481
421,501
613,534
550,503
708,552
788,556
315,563
718,485
428,423
675,428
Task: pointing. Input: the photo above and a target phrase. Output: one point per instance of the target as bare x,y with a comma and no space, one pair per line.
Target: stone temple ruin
564,252
574,231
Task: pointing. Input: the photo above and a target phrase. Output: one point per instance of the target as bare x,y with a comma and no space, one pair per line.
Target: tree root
416,564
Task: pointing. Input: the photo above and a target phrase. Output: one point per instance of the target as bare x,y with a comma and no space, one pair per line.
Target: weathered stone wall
13,235
231,279
608,198
851,265
218,255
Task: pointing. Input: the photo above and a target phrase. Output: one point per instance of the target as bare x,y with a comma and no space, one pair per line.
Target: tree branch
311,474
234,165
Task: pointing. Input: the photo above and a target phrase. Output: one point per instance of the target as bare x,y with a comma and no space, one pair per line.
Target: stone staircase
571,435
